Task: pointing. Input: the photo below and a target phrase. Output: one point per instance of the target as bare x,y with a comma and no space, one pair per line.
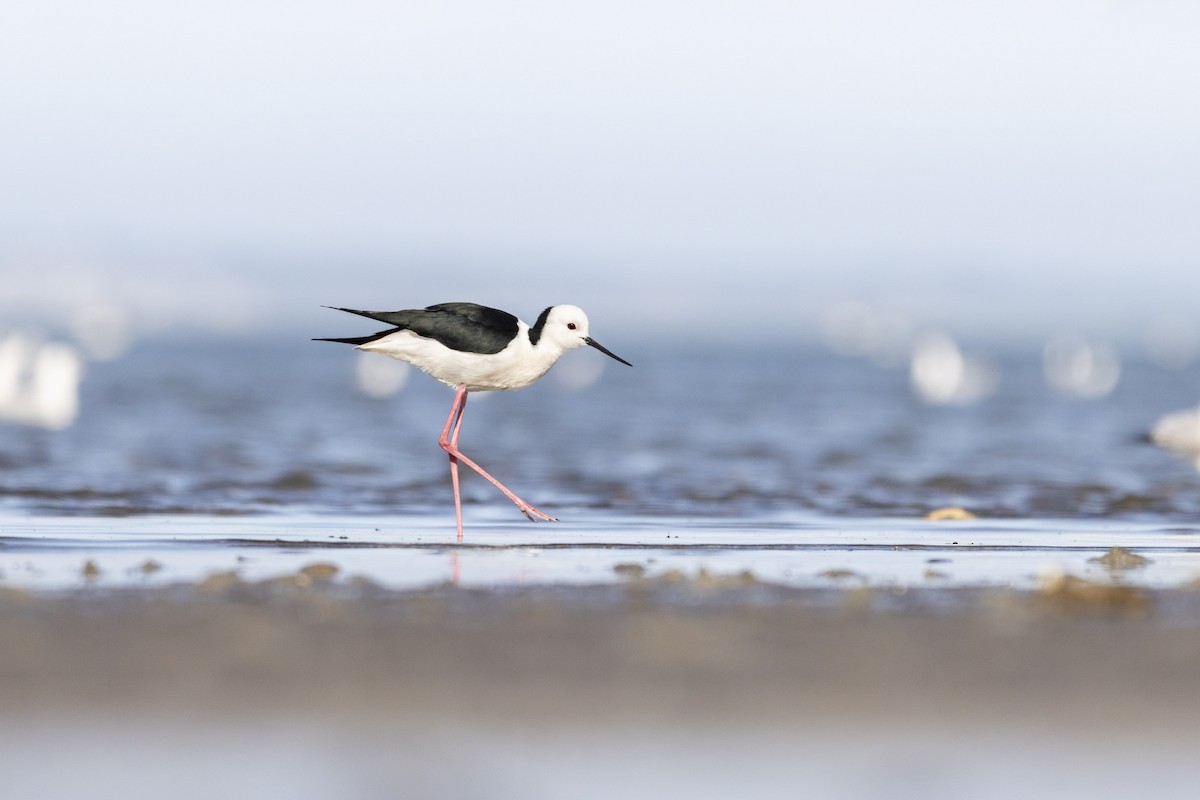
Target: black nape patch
535,333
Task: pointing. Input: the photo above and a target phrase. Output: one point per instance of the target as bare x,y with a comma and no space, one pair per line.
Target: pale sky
995,166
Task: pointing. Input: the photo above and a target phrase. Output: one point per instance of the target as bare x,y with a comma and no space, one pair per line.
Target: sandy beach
320,657
670,649
723,662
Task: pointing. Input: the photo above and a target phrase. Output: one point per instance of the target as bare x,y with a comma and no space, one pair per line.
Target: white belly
514,367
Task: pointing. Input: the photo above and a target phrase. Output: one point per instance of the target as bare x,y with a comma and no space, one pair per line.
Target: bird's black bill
593,343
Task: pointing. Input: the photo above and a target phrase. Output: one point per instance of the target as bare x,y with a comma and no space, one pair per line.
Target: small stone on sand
1118,558
629,569
320,572
1068,594
949,513
219,582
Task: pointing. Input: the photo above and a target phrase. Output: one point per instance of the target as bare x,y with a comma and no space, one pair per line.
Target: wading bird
473,348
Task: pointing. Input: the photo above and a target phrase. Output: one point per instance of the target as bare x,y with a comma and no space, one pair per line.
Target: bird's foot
534,515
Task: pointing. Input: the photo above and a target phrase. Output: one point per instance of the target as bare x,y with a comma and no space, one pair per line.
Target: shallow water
226,428
420,552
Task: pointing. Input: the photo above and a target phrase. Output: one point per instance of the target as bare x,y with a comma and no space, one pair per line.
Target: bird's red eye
571,326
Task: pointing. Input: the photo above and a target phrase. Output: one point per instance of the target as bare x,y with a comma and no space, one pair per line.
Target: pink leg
455,421
449,442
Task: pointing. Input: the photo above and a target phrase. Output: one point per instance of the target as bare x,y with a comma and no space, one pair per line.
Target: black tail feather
354,340
399,319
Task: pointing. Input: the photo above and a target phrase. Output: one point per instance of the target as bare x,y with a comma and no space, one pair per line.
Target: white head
565,328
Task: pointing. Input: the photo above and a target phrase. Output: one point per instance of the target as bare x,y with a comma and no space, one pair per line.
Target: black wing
466,327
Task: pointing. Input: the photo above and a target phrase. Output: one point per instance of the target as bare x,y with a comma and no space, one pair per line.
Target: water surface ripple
229,429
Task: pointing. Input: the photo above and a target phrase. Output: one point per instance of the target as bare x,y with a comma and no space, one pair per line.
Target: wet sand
708,687
670,649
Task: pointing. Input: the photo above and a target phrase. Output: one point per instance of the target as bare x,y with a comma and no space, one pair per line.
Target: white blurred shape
1079,368
941,375
1179,432
577,373
103,329
39,383
1172,341
57,373
380,377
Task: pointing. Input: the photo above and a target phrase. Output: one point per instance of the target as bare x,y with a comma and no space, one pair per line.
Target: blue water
235,428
